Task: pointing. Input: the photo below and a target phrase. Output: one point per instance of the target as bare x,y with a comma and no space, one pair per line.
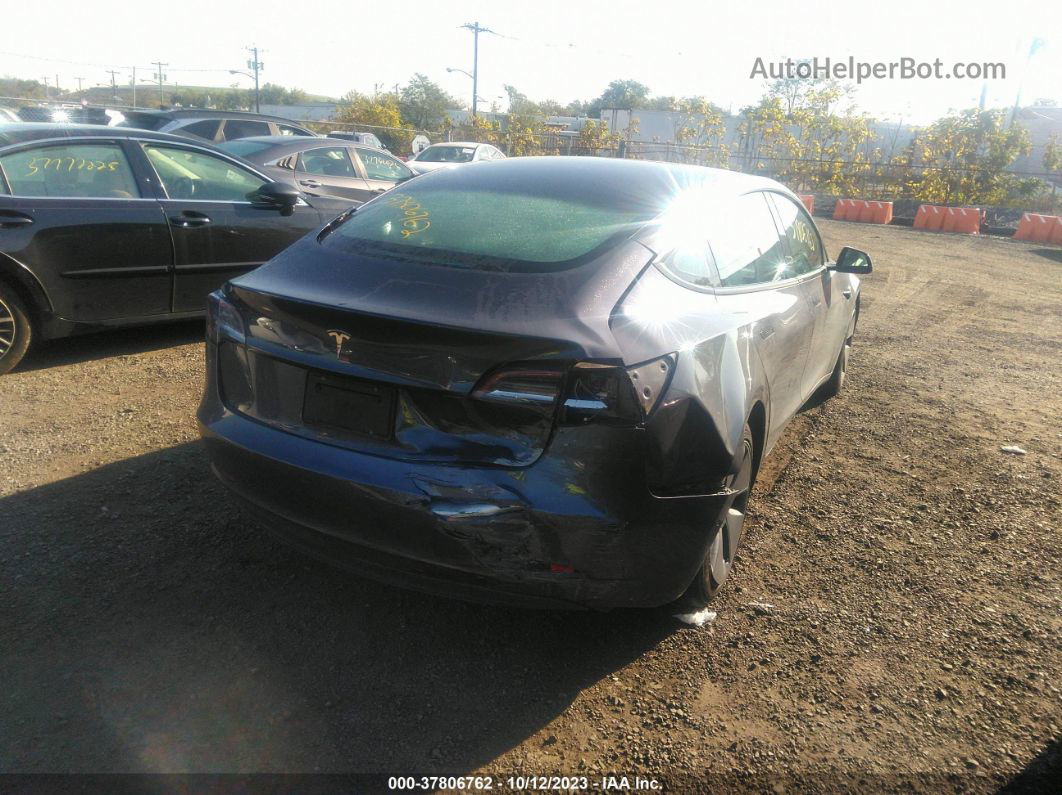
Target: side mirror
277,195
852,260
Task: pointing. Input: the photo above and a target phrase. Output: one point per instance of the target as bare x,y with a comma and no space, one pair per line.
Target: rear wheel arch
28,288
757,423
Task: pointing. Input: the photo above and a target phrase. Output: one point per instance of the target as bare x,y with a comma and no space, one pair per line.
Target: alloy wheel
8,329
724,546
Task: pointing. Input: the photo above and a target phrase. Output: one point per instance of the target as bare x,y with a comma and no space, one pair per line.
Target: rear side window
484,228
208,128
330,161
380,166
745,243
98,171
287,129
241,128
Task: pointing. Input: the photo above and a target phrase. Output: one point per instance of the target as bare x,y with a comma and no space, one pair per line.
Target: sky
547,49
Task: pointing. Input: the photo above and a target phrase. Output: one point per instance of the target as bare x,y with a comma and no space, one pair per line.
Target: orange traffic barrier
808,201
867,212
1038,228
963,220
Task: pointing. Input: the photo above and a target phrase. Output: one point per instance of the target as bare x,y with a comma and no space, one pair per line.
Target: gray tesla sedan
538,380
323,166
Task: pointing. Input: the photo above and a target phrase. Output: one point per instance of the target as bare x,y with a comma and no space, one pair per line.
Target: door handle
188,219
9,220
847,292
310,183
378,191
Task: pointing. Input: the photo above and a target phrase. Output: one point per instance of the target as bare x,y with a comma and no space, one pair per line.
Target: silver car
323,166
452,153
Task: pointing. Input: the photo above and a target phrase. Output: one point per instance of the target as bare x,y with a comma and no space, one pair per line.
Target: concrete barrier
961,220
1037,228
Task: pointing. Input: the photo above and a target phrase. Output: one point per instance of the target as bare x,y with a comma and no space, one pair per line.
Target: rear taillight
529,385
222,319
585,392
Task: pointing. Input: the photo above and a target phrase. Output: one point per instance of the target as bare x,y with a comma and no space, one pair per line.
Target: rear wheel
719,559
16,329
833,387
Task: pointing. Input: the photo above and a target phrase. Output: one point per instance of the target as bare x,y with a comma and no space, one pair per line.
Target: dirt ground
914,570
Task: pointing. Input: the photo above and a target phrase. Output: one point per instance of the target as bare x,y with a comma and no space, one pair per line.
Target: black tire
16,329
833,387
722,549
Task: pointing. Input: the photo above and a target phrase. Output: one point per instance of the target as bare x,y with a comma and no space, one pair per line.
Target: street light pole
476,30
256,65
161,77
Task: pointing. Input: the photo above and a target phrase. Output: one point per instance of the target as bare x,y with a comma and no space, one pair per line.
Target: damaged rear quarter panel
694,433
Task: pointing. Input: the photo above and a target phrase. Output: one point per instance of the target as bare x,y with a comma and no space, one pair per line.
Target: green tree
14,87
423,103
963,159
382,113
620,94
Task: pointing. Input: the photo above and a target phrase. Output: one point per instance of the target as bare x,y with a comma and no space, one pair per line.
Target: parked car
366,138
439,156
103,226
544,380
211,125
9,115
323,166
64,113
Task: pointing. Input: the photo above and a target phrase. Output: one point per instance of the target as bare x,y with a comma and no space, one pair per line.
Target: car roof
458,143
14,133
283,144
207,113
637,184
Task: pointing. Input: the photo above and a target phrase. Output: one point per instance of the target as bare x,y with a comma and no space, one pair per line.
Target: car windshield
243,148
490,228
446,154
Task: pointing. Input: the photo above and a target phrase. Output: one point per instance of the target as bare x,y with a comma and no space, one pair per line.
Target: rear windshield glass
485,229
447,154
242,148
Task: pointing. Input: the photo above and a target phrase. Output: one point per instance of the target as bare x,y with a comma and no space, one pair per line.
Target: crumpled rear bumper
577,528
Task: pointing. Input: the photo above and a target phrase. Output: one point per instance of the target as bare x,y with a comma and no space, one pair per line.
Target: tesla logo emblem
340,337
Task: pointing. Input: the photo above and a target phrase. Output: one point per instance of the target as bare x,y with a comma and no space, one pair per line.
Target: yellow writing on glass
416,218
68,164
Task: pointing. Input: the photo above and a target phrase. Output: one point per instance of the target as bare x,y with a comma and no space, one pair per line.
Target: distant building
309,111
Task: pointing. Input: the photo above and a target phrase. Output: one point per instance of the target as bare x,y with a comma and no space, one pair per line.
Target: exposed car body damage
561,503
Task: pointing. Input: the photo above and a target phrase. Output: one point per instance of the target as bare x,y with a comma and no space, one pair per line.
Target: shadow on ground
147,627
1053,254
114,342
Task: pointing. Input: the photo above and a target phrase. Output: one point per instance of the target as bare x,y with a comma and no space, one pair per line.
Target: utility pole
476,30
161,78
114,84
45,79
79,79
57,86
133,82
257,66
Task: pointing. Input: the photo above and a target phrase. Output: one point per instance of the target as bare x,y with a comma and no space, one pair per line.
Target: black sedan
541,380
104,226
323,166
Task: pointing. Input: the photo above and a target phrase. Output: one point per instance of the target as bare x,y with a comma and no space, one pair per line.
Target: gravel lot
914,569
